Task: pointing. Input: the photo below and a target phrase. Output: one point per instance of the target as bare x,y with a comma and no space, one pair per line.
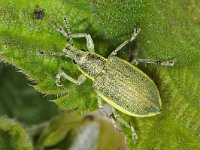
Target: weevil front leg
61,30
135,33
158,62
68,35
116,126
116,115
89,41
61,73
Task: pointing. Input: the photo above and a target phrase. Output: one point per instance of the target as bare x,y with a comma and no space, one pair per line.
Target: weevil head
91,64
75,54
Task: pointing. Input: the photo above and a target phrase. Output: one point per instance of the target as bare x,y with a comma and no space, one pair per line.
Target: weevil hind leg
134,35
116,115
158,62
116,126
61,73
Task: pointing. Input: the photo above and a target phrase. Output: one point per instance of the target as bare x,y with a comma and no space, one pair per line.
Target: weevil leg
68,30
159,62
134,35
50,53
61,73
67,34
89,41
61,30
116,115
116,126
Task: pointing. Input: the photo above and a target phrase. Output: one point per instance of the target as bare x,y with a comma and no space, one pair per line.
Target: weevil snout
76,55
69,51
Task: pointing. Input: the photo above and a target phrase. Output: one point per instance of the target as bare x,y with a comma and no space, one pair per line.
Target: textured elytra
128,87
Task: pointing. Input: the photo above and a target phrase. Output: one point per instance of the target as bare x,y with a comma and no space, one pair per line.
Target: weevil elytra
116,81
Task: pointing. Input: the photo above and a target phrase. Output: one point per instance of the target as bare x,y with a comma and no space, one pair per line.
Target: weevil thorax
91,64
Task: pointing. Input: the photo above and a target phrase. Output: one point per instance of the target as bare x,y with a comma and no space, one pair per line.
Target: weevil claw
168,63
59,84
40,53
138,30
77,83
135,33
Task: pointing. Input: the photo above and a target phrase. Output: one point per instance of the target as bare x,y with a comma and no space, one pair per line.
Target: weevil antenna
50,53
68,31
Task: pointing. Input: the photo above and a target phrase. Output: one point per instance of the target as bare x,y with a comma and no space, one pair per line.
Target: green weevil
116,81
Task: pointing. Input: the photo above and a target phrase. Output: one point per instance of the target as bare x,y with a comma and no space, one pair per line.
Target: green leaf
67,131
13,136
58,129
170,30
19,100
78,97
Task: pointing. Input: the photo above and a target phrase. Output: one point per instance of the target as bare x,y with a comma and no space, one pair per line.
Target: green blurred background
19,100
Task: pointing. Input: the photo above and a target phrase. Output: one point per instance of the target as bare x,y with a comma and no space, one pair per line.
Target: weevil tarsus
61,73
158,62
61,30
134,35
116,115
100,105
68,30
136,31
134,135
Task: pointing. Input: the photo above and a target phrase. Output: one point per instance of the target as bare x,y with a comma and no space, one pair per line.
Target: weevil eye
82,50
74,61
